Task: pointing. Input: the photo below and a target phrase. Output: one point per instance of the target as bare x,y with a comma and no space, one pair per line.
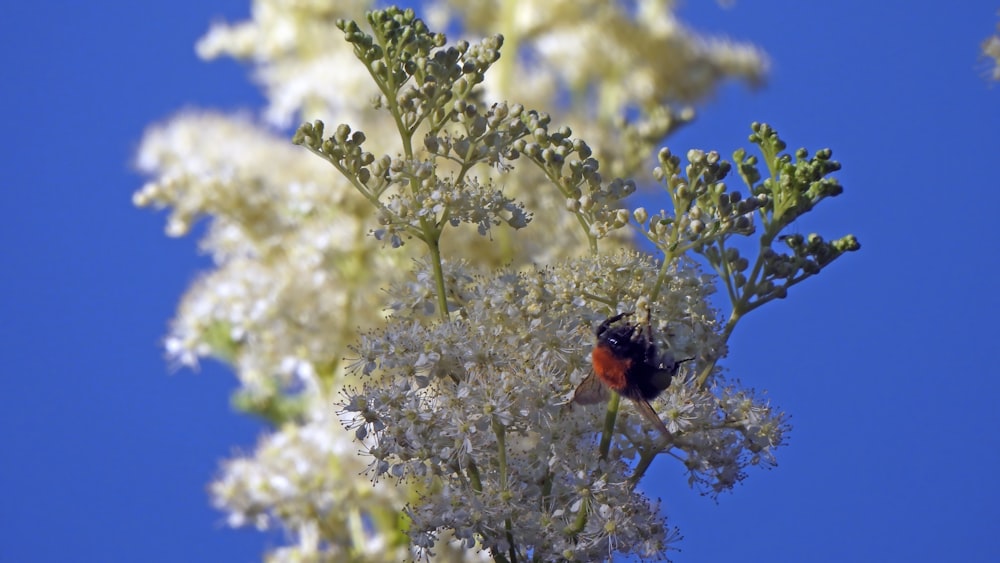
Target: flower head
474,410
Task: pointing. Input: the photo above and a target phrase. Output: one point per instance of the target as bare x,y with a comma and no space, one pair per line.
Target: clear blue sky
887,361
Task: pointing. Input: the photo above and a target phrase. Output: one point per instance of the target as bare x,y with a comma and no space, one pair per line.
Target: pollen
610,368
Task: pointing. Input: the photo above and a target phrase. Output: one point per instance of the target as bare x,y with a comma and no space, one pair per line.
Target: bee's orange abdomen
610,368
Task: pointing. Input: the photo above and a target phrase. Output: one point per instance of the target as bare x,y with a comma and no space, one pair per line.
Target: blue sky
885,361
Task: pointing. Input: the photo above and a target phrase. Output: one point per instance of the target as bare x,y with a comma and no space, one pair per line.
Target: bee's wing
591,391
646,410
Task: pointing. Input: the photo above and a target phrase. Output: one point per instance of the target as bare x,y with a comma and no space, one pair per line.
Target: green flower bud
329,148
846,244
343,130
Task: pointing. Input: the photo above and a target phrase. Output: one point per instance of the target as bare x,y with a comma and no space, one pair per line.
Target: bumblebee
626,360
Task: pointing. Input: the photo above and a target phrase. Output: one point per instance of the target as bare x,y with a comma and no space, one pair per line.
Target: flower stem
434,245
501,435
609,424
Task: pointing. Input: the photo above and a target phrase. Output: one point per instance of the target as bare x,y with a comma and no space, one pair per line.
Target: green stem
433,244
581,519
734,318
501,435
645,460
473,472
609,424
546,496
661,278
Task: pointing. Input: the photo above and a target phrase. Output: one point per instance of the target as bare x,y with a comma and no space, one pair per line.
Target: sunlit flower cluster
300,57
474,412
623,66
303,478
289,248
459,400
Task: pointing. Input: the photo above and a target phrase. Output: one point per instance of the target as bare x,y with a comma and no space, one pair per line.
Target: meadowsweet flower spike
475,411
460,399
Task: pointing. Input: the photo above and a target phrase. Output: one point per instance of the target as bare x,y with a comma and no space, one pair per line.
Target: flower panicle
461,400
472,410
712,220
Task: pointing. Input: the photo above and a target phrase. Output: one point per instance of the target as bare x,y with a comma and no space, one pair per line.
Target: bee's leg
646,333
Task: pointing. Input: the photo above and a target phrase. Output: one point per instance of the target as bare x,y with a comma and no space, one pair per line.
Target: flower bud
343,130
621,217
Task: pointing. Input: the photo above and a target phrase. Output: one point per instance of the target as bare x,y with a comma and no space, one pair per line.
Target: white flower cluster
473,413
465,201
295,276
303,479
605,60
300,57
288,248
